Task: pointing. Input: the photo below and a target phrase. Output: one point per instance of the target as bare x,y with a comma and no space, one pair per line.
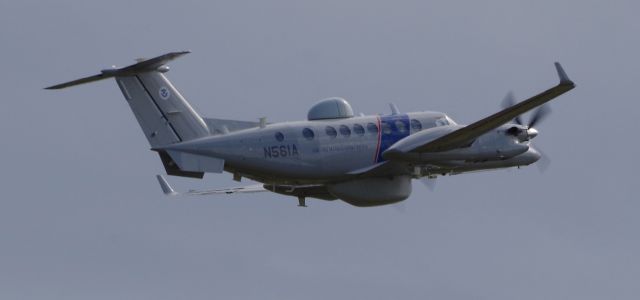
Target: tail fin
163,114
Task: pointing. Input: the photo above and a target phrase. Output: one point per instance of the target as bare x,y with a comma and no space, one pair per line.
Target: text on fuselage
290,150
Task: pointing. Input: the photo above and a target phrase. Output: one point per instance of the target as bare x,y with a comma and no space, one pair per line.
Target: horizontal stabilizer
79,81
140,67
168,190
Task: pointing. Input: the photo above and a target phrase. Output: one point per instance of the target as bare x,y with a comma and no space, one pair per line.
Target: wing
467,134
169,191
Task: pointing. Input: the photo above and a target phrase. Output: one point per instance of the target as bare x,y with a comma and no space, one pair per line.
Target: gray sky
81,214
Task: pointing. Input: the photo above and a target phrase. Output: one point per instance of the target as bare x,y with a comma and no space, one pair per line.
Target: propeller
430,183
538,115
544,162
508,101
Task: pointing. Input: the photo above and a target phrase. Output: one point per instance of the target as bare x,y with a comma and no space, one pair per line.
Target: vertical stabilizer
163,114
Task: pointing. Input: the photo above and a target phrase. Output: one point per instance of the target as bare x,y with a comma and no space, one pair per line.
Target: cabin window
372,128
400,126
279,136
416,125
308,134
358,129
344,130
331,132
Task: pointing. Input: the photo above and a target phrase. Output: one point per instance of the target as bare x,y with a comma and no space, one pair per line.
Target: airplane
362,160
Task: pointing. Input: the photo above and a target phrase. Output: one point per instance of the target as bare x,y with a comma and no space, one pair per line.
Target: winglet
564,79
166,188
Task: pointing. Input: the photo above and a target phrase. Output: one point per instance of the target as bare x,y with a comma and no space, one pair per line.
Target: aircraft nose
532,132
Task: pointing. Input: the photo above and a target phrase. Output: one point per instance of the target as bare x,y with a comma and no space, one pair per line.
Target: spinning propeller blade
430,183
544,162
539,115
508,101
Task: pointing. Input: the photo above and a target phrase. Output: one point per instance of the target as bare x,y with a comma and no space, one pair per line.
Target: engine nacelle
373,191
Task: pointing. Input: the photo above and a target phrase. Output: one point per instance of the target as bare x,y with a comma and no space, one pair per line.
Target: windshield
445,121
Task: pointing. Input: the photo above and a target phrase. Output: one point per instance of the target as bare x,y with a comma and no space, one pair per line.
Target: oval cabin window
358,129
331,132
279,136
308,134
345,131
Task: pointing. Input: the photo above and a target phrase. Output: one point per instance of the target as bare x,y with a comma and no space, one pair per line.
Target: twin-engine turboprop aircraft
362,160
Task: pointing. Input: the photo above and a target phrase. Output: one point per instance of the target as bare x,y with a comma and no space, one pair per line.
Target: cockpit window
442,121
416,125
400,126
386,128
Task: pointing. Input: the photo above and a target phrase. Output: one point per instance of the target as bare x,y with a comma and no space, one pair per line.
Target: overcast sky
82,216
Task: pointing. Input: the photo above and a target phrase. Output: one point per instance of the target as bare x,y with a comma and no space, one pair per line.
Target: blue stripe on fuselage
399,128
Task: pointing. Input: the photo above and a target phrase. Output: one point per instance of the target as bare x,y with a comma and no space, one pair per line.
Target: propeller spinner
528,132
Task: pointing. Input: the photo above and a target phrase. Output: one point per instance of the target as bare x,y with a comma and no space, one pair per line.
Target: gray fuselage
322,151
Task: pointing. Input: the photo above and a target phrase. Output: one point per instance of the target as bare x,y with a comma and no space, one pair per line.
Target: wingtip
179,53
564,78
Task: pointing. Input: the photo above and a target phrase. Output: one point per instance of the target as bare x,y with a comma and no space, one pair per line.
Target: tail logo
164,93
